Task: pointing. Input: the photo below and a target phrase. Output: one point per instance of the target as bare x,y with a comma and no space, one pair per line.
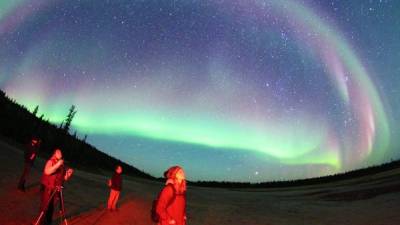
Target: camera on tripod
58,188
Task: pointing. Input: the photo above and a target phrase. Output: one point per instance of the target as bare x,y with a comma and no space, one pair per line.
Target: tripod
58,190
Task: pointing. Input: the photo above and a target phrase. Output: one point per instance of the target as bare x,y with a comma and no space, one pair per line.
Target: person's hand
70,171
60,162
171,222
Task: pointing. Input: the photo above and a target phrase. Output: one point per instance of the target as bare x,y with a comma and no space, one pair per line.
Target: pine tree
70,117
35,111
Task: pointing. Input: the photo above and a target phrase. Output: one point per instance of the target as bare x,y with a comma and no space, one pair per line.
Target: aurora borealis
240,90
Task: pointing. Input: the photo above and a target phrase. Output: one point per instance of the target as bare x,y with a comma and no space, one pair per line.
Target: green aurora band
291,142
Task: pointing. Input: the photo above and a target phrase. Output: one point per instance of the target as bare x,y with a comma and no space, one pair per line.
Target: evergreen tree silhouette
35,111
70,117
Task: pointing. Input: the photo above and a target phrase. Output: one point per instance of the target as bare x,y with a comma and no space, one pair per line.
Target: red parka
171,206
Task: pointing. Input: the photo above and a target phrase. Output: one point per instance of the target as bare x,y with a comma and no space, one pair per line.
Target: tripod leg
45,208
39,218
63,219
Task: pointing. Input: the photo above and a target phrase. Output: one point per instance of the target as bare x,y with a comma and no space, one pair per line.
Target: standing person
54,175
115,184
29,158
171,203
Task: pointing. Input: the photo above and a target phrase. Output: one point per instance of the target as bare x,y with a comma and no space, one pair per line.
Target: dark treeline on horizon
19,124
310,181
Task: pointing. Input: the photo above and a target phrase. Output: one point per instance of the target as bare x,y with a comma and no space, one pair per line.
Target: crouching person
171,202
54,175
115,184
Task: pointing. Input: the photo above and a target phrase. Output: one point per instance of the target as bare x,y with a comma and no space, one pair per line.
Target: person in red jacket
115,184
171,205
54,175
29,158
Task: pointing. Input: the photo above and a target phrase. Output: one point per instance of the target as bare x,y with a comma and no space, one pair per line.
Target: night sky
235,90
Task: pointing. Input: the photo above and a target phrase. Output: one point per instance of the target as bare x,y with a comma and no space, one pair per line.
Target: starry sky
238,90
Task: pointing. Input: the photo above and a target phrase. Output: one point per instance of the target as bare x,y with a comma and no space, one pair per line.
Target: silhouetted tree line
19,124
301,182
